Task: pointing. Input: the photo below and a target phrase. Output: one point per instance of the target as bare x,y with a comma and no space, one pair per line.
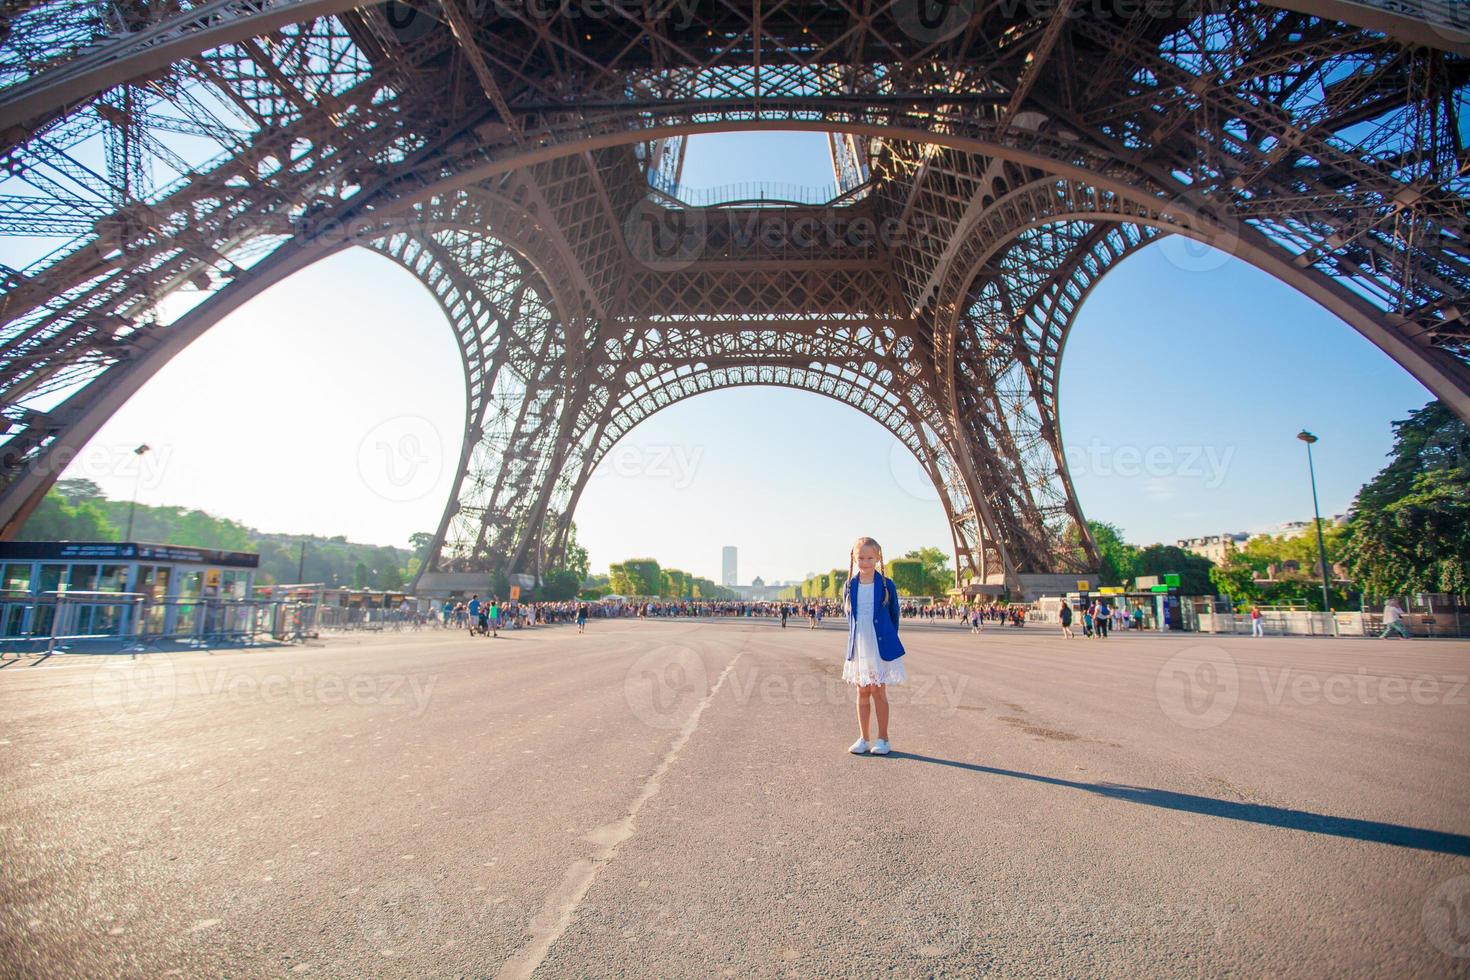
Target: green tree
1119,561
642,576
936,569
559,585
75,489
1235,580
1410,525
54,519
418,543
1193,570
910,576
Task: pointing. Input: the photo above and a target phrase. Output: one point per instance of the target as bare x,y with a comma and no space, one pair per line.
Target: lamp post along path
137,478
1308,438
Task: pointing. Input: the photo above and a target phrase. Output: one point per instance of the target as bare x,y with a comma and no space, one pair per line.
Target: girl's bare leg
880,706
864,696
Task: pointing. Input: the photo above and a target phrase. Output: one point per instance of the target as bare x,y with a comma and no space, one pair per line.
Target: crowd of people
1099,618
488,614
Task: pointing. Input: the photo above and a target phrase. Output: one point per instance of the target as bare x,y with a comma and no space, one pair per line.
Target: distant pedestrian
1064,616
582,618
1393,621
1256,629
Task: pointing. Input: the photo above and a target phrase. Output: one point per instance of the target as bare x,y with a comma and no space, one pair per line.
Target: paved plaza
674,799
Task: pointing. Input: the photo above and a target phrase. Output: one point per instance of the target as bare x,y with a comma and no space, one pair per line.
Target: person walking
582,617
1064,616
494,616
1256,629
477,620
874,653
1393,621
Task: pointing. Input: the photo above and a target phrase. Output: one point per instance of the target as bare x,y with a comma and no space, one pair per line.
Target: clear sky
1185,381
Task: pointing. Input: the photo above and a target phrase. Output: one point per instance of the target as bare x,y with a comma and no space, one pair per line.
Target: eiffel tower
165,162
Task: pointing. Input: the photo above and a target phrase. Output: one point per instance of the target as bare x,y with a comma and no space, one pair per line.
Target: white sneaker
880,747
859,747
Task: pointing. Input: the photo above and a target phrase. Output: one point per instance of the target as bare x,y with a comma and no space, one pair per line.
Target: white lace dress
866,666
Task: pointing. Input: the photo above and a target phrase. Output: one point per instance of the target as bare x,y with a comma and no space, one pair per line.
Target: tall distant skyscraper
728,567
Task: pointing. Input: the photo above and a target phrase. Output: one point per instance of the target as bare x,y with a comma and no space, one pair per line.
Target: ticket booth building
172,582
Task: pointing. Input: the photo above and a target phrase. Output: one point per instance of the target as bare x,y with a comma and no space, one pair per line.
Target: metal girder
527,167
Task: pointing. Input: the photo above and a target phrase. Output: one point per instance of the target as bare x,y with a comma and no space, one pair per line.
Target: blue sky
1184,383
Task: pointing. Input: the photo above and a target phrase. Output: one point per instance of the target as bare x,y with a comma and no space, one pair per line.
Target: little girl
874,653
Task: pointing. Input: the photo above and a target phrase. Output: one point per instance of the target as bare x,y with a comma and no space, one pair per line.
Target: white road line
547,927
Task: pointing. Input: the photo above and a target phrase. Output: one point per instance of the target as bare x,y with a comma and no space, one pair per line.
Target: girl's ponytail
847,586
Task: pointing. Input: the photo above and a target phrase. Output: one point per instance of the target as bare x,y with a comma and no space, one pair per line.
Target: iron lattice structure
992,159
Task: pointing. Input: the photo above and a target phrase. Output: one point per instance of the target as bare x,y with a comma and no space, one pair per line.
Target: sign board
81,551
1111,590
1083,585
211,578
1145,582
1158,588
1171,578
515,593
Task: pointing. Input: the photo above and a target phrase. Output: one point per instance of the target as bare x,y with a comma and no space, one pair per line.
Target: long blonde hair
857,546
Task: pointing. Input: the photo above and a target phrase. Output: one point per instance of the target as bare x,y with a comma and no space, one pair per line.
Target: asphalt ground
674,798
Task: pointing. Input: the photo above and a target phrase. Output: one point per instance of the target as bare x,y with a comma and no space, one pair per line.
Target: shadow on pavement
1271,816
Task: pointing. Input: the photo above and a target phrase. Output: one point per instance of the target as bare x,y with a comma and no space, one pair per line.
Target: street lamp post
137,477
1308,438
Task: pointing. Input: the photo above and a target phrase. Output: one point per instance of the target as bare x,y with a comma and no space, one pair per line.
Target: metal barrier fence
58,620
348,618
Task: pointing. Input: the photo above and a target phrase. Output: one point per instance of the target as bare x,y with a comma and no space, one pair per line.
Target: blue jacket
885,617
